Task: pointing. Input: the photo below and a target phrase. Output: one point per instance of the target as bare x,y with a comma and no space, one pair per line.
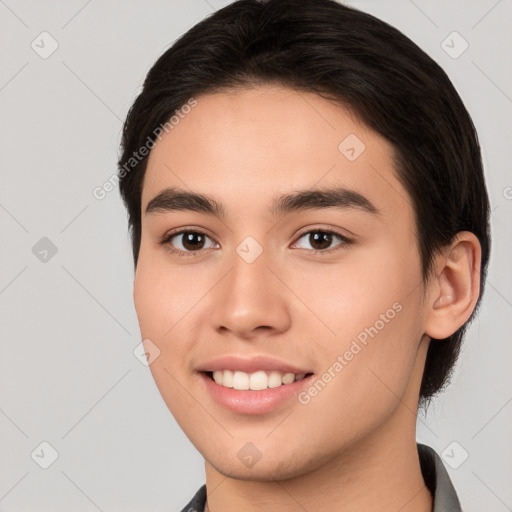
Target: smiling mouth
256,381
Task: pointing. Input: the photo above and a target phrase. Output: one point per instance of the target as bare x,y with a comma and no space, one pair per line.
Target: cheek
163,296
164,304
364,376
363,289
369,312
169,302
149,294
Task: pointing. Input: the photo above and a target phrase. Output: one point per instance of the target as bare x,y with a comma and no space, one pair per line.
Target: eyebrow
175,199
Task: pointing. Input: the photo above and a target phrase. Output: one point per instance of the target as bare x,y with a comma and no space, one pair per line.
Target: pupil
322,238
193,241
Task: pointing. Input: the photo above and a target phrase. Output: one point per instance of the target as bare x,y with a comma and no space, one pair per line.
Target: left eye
321,240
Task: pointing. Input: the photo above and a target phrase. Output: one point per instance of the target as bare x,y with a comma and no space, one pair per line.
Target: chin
286,467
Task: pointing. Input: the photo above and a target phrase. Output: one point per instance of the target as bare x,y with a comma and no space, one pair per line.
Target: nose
250,301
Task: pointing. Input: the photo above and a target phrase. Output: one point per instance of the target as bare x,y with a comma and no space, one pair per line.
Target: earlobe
453,291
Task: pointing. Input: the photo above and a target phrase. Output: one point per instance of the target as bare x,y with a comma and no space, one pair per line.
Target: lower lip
253,402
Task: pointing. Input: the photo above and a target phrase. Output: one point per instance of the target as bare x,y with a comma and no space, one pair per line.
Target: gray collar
437,480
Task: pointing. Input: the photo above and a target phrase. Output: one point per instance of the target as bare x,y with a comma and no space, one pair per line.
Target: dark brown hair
363,64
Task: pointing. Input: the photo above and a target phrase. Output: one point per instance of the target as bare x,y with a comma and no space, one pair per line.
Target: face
279,253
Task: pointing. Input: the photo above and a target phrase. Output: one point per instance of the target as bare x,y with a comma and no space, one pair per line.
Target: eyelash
166,239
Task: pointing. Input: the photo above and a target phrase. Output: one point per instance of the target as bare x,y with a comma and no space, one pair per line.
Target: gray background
68,375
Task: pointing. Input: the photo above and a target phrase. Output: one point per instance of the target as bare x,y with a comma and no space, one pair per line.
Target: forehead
250,144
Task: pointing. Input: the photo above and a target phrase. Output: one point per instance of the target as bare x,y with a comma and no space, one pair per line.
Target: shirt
434,473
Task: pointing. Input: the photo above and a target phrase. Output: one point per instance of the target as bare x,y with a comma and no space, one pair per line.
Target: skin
354,443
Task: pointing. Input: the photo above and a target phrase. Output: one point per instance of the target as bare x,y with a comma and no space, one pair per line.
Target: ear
454,289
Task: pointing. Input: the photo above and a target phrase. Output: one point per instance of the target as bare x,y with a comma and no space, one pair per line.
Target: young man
310,233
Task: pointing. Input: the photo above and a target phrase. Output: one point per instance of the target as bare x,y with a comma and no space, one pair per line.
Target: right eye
188,242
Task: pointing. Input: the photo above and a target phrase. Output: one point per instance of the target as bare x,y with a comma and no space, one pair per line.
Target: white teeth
254,381
258,380
288,378
241,380
217,376
227,378
274,380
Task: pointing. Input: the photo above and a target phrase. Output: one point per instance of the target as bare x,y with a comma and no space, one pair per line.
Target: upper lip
250,365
